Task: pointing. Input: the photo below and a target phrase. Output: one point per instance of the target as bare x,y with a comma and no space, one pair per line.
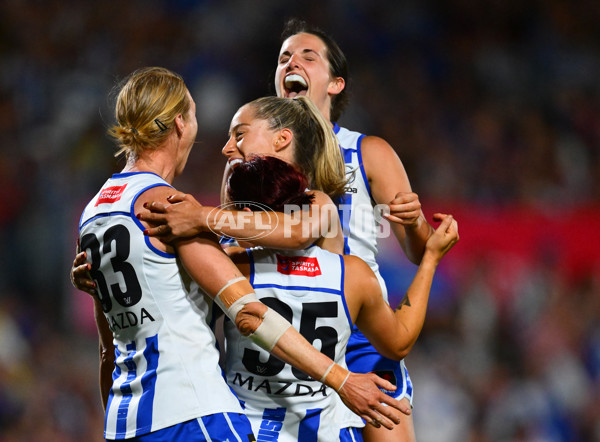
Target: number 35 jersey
307,288
166,368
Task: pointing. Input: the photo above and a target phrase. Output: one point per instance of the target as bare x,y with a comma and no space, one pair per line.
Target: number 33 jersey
307,288
166,368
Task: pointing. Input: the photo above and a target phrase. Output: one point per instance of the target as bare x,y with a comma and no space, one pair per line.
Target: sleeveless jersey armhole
362,166
342,291
139,224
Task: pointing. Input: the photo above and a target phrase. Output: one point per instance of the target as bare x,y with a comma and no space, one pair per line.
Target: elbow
416,260
414,256
398,350
299,238
403,352
398,353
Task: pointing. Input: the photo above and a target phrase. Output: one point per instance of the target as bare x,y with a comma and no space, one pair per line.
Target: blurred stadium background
494,108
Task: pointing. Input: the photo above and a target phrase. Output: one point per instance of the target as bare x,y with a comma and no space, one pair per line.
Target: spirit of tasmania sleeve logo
298,265
110,195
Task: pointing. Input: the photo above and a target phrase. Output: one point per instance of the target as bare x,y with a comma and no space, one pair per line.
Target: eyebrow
304,51
237,126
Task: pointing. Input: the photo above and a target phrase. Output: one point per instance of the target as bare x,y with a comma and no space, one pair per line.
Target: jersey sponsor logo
110,195
128,319
351,190
278,388
298,265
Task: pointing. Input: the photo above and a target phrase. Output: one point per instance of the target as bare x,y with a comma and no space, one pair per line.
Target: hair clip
160,125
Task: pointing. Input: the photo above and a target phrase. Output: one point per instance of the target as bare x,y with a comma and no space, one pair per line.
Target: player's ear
336,86
283,139
179,124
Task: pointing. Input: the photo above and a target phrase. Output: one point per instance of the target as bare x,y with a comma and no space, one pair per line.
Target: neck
157,161
326,111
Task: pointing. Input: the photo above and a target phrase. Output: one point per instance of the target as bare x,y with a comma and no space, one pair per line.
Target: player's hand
444,237
80,276
362,395
180,218
405,209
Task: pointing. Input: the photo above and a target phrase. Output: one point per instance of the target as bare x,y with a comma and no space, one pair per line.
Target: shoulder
319,197
157,193
359,275
384,169
373,147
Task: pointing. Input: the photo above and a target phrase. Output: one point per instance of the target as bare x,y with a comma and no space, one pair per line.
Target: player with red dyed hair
323,295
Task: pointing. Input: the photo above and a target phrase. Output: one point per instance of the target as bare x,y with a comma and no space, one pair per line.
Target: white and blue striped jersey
166,368
356,207
360,228
307,288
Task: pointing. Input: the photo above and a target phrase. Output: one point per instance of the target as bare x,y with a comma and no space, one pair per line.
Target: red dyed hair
267,180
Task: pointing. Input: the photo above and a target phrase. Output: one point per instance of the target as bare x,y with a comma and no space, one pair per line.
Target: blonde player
166,383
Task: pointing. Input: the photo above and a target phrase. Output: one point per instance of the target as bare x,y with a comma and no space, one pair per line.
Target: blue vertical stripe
126,392
115,375
309,426
351,434
362,166
145,407
345,205
342,291
407,381
252,271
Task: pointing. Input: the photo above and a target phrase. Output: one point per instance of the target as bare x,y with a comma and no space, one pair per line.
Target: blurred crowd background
493,106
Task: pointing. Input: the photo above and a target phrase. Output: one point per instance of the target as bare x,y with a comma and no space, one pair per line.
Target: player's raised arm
394,332
390,185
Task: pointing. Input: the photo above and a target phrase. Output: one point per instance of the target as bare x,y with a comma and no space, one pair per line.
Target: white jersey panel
356,208
282,403
360,233
166,369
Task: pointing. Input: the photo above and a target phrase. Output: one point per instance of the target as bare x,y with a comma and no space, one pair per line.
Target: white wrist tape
335,376
272,328
322,380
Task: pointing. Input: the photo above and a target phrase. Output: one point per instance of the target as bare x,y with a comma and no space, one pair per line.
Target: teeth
295,78
235,161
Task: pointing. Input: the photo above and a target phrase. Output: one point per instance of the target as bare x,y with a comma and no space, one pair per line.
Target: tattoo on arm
405,302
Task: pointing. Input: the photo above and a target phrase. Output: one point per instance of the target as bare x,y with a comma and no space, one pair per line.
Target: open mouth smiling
295,85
